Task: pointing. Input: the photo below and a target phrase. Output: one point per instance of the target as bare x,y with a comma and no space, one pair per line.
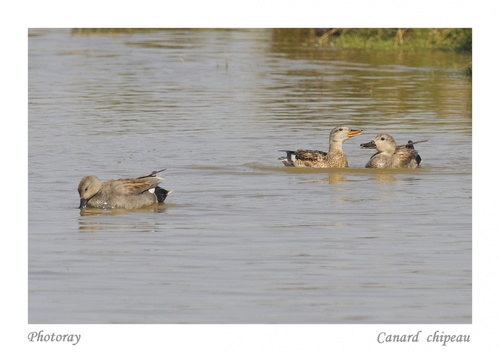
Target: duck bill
369,145
83,203
354,133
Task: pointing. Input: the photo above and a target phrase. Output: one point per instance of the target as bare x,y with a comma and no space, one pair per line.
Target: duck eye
382,139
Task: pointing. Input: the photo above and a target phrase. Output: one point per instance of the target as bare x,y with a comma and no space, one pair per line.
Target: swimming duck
316,158
391,156
126,193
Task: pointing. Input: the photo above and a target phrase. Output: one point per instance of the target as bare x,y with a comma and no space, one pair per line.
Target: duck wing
406,157
312,156
411,143
151,174
131,186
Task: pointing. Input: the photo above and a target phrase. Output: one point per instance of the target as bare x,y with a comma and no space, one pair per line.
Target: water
243,239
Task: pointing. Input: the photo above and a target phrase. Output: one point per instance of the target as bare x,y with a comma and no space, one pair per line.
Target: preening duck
126,193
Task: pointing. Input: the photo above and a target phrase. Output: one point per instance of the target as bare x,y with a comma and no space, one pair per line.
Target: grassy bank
456,39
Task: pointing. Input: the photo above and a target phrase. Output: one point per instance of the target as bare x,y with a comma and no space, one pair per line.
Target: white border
18,16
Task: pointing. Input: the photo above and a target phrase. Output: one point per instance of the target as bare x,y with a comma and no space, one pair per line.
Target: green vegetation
457,39
387,39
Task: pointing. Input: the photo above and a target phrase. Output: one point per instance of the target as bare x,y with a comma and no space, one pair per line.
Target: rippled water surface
243,239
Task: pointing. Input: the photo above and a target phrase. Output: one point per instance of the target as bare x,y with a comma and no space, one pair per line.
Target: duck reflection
102,220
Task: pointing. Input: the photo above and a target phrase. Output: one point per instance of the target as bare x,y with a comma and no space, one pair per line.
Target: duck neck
389,152
335,146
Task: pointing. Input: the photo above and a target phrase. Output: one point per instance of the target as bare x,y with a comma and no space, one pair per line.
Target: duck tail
161,194
418,159
290,155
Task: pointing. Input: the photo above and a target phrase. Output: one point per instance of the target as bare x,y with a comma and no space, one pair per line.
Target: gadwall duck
316,158
390,155
126,193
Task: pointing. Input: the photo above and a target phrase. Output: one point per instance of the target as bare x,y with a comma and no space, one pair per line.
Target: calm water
243,239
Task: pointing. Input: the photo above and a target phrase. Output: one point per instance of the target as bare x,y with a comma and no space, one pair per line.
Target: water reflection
385,177
99,227
342,175
336,178
98,220
156,208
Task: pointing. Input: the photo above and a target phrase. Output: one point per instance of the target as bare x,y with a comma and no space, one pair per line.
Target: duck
335,156
125,193
389,155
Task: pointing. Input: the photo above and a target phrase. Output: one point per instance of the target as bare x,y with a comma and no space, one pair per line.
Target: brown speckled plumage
319,159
